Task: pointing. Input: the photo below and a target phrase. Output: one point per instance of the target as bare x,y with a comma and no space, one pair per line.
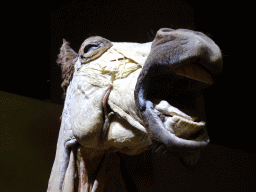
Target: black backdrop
138,21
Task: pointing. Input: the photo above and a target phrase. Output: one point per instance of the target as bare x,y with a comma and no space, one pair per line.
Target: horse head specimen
124,97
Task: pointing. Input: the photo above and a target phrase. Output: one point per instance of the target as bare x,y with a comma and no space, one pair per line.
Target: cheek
86,115
123,93
125,137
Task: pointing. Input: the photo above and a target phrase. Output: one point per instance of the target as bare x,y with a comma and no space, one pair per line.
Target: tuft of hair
158,149
66,59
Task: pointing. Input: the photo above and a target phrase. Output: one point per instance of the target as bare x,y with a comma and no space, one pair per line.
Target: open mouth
174,99
171,103
177,122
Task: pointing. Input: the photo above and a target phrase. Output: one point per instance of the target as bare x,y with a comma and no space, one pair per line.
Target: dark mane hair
66,59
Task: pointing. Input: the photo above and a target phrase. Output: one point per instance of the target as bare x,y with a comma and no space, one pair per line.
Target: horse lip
196,72
161,134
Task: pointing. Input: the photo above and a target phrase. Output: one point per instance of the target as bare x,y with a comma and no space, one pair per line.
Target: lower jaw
165,133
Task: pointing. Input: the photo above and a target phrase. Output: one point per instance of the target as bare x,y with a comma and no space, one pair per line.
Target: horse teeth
165,108
184,128
177,122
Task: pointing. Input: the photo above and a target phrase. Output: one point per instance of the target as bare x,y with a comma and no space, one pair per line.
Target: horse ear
66,53
66,59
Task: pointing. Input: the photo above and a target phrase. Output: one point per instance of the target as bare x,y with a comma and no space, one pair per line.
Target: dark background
30,125
228,101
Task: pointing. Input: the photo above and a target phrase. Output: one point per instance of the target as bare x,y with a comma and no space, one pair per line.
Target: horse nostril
166,30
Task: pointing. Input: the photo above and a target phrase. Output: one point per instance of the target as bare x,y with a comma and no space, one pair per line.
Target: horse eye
91,47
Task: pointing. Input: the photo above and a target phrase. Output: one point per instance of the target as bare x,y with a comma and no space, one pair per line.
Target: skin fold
106,114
